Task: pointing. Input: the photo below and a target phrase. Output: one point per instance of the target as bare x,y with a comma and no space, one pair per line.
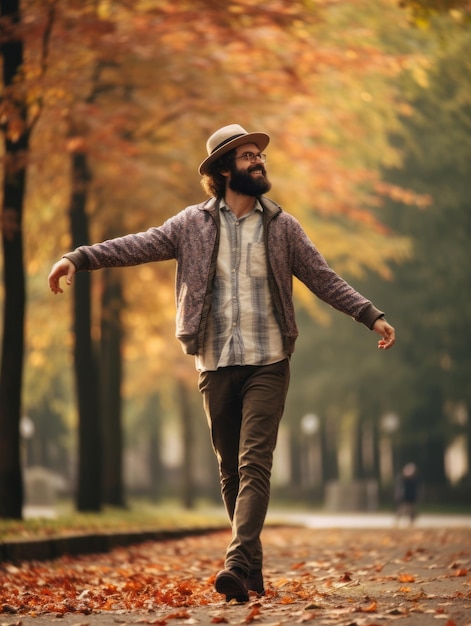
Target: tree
89,486
20,113
434,284
424,379
111,365
16,133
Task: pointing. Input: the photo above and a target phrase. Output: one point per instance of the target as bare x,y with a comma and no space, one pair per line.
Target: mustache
256,167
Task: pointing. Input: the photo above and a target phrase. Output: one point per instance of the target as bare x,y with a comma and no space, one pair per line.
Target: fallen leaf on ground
254,613
371,608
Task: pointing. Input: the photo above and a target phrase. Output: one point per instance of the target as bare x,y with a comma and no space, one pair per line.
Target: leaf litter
336,577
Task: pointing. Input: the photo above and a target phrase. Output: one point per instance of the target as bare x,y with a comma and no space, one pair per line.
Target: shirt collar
257,206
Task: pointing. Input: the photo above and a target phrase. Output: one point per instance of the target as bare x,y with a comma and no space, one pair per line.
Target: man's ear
224,173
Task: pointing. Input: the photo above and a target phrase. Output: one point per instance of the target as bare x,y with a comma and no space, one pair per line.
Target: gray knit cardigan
192,238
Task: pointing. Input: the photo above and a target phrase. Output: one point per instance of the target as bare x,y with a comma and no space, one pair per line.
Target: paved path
328,572
367,520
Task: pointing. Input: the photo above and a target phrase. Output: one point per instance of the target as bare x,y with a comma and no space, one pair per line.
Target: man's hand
387,333
64,267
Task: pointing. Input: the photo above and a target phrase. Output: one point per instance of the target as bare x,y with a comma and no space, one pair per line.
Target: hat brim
260,139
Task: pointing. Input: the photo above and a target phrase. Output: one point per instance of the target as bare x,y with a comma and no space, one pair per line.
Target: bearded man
236,253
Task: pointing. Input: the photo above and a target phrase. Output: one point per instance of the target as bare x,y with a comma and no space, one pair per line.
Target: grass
138,516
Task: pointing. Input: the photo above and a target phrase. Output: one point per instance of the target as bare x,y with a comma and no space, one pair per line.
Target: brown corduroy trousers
244,406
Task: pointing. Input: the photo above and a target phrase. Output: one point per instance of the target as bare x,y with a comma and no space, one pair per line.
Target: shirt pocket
256,260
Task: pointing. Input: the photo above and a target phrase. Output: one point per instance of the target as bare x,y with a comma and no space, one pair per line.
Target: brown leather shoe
232,584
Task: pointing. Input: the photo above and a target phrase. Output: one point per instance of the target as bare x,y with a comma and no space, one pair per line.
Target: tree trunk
153,422
89,494
110,379
358,461
11,373
328,434
468,441
188,447
295,459
432,460
376,457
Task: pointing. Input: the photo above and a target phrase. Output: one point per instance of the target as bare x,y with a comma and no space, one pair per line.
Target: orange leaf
406,578
461,572
287,600
179,615
371,608
252,615
298,565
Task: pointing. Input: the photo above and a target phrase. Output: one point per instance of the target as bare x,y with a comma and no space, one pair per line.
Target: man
407,493
236,255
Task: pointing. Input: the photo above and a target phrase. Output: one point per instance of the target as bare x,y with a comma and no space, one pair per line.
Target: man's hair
213,182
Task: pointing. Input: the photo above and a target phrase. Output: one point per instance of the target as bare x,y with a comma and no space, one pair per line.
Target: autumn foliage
137,88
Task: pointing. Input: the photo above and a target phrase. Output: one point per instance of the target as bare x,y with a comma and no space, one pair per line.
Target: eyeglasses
252,157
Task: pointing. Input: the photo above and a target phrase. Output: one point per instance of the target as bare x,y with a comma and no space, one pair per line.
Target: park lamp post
27,430
389,425
311,467
310,424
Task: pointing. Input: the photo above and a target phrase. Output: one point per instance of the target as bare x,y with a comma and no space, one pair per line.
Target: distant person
236,253
407,493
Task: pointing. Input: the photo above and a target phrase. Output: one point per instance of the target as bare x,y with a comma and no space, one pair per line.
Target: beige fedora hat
227,138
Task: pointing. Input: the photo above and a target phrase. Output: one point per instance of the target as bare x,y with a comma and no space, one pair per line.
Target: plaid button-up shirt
242,329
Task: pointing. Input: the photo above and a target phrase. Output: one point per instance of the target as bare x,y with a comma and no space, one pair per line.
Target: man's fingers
54,285
61,268
387,332
70,275
388,340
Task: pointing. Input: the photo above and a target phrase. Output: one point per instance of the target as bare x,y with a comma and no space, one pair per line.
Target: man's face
248,175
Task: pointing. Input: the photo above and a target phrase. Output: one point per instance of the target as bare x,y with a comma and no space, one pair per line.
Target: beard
242,181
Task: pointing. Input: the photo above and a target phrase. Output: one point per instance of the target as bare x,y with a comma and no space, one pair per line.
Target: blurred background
106,108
